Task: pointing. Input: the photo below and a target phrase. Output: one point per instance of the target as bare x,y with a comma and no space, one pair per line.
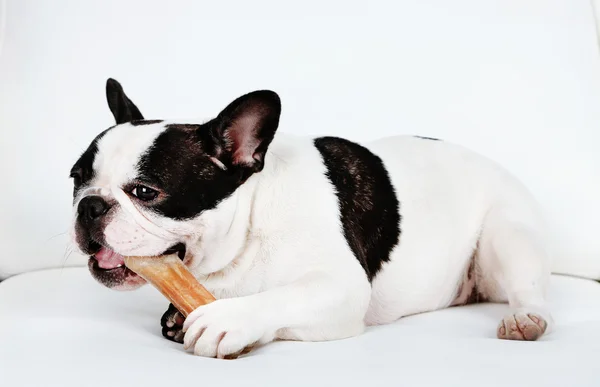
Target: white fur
275,255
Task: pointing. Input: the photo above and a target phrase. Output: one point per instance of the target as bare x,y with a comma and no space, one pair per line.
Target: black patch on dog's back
369,209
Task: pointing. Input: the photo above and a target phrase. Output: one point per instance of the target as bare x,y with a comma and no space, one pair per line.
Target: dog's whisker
55,236
68,251
67,255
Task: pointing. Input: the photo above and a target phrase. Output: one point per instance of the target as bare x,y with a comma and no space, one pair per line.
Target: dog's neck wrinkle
221,282
222,252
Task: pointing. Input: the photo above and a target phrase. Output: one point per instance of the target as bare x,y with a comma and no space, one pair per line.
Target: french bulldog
303,238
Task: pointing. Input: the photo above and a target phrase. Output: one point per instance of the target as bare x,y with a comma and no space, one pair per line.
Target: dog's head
142,186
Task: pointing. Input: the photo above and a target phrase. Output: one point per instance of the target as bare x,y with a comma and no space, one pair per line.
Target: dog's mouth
108,267
108,259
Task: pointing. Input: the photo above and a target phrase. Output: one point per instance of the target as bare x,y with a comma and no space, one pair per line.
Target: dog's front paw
224,329
172,324
522,326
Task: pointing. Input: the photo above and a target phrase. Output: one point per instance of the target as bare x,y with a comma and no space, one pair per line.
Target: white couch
516,80
58,328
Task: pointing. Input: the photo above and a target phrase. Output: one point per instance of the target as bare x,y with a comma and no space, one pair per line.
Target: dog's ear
120,105
243,130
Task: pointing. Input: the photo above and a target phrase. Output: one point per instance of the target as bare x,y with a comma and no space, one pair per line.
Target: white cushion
516,80
60,328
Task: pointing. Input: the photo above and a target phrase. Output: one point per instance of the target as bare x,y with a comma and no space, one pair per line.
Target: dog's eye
144,193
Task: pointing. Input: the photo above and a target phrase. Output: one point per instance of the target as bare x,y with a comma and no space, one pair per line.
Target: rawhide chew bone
169,275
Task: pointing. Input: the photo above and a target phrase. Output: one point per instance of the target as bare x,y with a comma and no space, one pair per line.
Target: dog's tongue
108,259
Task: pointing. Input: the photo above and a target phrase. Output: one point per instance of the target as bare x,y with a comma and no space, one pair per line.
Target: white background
518,81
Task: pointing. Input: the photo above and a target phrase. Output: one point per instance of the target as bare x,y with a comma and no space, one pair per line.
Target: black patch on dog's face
428,138
179,165
369,209
195,167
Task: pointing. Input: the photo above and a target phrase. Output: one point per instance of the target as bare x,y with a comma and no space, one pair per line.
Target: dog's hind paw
172,325
522,326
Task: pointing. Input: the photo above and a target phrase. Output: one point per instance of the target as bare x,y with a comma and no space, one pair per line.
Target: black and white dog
306,238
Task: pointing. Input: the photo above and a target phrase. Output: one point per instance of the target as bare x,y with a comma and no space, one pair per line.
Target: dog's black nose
92,207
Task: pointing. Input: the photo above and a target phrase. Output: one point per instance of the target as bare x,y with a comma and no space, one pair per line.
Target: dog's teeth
121,265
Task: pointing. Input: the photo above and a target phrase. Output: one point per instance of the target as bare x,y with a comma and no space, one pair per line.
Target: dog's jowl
306,238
